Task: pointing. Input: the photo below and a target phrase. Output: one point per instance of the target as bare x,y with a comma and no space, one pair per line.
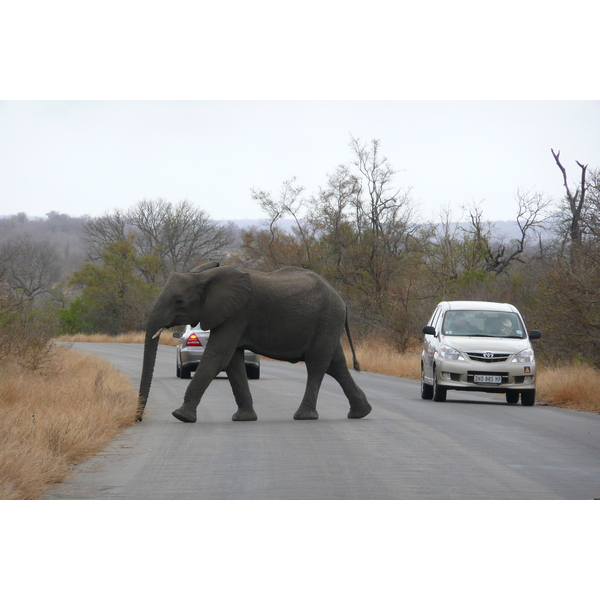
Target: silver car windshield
483,323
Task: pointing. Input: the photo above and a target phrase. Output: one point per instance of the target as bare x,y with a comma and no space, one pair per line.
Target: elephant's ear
226,290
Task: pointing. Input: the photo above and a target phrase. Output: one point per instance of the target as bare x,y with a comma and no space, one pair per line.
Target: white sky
88,157
466,101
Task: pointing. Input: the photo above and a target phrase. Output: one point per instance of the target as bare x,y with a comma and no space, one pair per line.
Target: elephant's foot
360,412
140,410
247,414
185,414
306,413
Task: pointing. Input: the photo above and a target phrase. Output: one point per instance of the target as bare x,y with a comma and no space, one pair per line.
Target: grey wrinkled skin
291,314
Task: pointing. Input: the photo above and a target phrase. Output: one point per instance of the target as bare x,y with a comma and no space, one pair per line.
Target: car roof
472,305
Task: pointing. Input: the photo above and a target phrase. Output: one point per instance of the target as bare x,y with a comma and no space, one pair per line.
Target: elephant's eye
179,301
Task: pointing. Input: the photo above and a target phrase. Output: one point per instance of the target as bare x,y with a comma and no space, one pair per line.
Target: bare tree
31,267
384,203
576,201
291,203
532,214
25,337
98,232
590,218
178,236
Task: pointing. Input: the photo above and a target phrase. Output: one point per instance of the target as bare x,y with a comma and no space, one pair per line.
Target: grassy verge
575,386
53,418
126,338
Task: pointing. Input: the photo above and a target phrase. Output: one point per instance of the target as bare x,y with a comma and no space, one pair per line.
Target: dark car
191,348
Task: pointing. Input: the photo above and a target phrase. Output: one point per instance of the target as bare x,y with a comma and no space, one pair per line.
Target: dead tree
576,201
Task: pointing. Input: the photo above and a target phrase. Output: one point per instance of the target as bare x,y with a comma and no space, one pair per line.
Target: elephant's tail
354,359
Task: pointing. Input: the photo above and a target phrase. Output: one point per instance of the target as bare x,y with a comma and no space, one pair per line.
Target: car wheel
512,397
253,372
528,397
186,372
439,391
426,389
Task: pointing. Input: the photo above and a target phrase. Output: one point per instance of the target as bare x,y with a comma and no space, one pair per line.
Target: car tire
186,372
426,389
439,391
253,371
528,397
512,397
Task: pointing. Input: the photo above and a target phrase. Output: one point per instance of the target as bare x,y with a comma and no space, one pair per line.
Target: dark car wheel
426,389
439,391
253,371
528,397
512,397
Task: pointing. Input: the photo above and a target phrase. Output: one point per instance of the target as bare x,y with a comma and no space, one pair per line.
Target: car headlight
450,353
524,356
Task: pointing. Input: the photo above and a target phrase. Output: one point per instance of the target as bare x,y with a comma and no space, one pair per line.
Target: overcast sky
89,157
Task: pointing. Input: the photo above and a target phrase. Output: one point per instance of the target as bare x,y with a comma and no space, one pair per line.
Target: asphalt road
474,446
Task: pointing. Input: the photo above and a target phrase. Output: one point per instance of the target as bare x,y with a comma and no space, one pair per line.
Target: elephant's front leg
211,364
236,371
308,408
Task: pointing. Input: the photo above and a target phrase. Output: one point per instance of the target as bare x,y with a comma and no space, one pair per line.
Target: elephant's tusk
157,334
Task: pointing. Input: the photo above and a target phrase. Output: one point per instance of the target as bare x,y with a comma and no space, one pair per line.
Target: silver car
478,346
190,349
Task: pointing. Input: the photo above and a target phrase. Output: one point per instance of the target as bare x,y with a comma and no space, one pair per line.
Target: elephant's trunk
150,349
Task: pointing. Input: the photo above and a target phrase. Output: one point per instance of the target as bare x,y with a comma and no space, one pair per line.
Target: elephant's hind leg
359,405
236,371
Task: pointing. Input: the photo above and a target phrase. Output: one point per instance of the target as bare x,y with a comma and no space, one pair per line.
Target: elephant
291,314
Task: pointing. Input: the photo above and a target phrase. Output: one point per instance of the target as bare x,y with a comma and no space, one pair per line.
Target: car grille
489,357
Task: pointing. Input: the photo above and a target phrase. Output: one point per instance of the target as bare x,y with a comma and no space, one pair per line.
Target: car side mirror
534,334
177,334
429,330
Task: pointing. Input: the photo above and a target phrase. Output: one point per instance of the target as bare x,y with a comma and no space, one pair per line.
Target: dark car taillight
193,340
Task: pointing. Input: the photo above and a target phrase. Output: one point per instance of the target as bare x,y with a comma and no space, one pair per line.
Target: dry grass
379,358
576,386
136,337
52,419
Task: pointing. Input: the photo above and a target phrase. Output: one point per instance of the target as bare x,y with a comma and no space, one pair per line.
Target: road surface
474,446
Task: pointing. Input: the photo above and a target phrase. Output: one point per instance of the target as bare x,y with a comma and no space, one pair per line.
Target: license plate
490,379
